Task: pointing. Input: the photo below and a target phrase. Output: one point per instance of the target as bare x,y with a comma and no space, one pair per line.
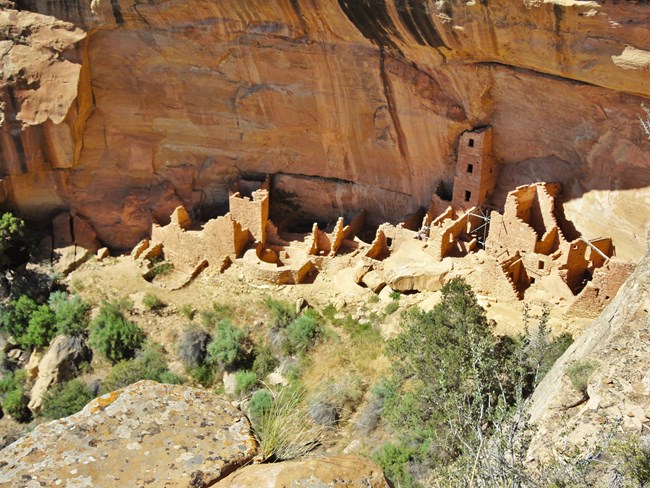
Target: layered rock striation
148,106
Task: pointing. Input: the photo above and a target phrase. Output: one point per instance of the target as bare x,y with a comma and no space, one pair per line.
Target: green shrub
282,313
14,317
15,404
71,313
8,382
395,460
66,399
302,333
394,295
204,374
150,364
246,381
227,347
633,460
152,302
11,230
215,314
260,404
192,347
113,335
579,373
450,375
264,362
391,307
161,269
41,329
188,311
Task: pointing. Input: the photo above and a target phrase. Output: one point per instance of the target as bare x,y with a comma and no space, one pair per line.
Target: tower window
540,265
470,168
468,195
471,143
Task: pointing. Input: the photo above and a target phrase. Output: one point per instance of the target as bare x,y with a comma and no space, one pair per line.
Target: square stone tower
476,170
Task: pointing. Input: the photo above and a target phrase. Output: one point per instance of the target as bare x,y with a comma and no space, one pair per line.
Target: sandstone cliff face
616,344
175,99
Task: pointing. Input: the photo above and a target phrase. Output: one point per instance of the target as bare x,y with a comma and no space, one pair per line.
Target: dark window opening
389,241
540,265
470,168
532,280
468,195
471,143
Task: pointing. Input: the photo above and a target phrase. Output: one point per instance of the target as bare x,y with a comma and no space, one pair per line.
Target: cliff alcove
370,97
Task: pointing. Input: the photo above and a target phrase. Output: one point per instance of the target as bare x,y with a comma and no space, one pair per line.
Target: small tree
11,229
116,337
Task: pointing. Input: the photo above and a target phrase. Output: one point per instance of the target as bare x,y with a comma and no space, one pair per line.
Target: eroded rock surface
60,363
145,434
343,471
616,344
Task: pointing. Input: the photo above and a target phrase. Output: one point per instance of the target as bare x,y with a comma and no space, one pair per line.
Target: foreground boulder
342,471
146,434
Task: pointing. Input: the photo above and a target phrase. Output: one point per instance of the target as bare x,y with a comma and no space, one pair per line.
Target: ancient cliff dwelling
335,242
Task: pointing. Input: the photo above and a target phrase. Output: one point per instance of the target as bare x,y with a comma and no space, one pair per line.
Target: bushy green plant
246,381
453,380
204,374
150,364
227,347
633,461
282,313
152,302
41,328
161,269
302,333
394,295
71,313
192,346
579,373
15,404
395,461
264,362
66,399
215,314
15,315
11,230
188,311
392,307
113,335
260,404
